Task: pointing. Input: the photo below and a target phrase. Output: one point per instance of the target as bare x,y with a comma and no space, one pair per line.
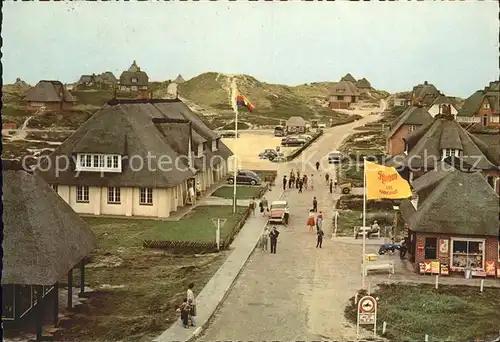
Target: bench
379,266
360,231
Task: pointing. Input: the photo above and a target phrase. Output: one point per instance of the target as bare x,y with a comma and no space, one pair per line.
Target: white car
321,125
334,157
305,136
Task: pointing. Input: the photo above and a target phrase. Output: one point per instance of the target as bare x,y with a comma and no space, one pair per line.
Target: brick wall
395,144
491,249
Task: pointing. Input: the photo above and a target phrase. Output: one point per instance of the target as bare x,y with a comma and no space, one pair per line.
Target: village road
299,293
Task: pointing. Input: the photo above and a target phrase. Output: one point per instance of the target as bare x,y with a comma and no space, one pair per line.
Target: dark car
245,177
268,154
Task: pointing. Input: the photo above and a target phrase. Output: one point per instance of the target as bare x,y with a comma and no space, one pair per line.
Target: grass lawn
452,313
195,226
242,192
136,289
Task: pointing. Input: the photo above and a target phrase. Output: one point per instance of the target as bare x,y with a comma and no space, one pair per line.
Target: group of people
269,235
188,308
263,206
296,181
316,221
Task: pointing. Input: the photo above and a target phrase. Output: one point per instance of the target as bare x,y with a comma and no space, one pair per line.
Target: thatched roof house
363,84
349,78
424,94
443,137
412,116
50,94
179,79
172,144
134,78
43,237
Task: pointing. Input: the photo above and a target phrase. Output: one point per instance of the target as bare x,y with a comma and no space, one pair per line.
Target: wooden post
70,289
39,313
356,298
482,284
56,304
384,327
437,282
82,277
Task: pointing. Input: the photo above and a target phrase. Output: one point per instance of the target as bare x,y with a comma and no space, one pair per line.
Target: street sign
367,304
367,318
367,314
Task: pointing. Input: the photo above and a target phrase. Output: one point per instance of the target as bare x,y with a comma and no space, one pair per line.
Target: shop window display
468,254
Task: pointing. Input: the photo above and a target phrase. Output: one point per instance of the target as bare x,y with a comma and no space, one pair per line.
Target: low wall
192,247
299,151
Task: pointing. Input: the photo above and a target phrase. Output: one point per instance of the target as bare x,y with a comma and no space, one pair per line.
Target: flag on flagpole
242,101
385,182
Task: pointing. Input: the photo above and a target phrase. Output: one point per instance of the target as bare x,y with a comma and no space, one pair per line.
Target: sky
395,45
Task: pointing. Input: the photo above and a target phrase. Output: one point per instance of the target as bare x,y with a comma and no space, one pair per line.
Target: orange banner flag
385,182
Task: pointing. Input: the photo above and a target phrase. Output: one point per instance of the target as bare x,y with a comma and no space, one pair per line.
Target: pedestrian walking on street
310,221
336,185
317,166
301,184
331,186
192,304
297,181
315,205
261,208
327,177
273,235
252,205
264,239
290,181
298,174
185,313
320,235
265,203
319,221
284,182
304,181
311,182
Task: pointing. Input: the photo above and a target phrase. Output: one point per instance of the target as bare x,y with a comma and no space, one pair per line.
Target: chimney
425,83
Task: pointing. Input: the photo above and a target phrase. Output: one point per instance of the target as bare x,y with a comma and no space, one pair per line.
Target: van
334,157
279,131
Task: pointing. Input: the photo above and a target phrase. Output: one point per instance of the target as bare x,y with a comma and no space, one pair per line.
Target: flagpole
235,157
364,221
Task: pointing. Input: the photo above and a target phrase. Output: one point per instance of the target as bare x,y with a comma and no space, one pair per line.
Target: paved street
299,293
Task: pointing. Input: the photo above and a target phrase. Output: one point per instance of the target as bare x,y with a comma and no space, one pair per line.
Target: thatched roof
296,121
179,79
49,91
363,83
344,88
130,128
43,237
134,72
348,77
490,93
411,116
455,202
427,142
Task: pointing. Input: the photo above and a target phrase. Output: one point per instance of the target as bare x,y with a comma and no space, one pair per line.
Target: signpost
367,314
218,223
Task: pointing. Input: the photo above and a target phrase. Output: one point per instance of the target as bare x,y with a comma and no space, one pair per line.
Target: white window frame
145,196
199,152
98,162
114,195
448,152
214,145
134,79
134,88
453,239
82,194
486,105
412,128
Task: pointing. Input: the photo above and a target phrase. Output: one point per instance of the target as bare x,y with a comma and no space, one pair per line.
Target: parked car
279,131
290,141
307,137
334,157
245,177
277,211
228,134
321,125
268,153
